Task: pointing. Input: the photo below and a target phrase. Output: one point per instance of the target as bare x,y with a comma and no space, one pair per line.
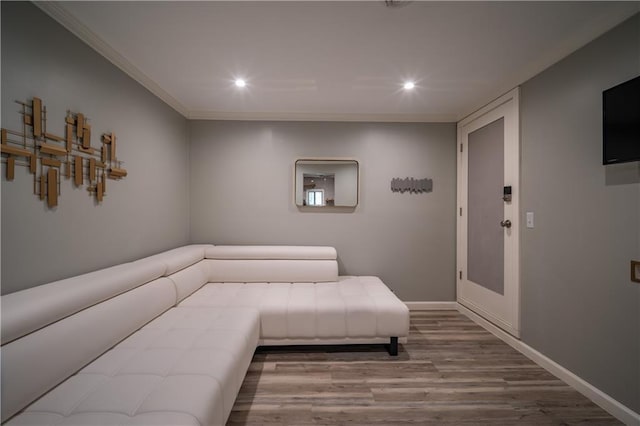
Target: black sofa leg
393,346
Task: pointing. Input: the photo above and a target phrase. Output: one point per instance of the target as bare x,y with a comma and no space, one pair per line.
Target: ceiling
341,60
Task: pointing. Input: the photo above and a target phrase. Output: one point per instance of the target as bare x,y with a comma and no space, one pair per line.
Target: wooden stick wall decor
68,156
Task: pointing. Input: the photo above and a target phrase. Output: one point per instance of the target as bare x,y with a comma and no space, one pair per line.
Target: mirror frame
326,208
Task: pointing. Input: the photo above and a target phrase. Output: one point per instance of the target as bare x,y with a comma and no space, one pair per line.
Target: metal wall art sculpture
411,185
49,156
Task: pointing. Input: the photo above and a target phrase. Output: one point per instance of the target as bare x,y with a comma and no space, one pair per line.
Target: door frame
507,106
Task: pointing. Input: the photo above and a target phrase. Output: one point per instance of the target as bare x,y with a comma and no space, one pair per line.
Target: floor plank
451,371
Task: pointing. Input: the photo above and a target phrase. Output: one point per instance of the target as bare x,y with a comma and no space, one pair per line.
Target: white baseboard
613,407
431,306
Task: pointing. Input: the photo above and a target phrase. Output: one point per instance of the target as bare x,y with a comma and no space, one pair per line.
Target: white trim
496,103
483,313
71,23
319,116
504,310
560,50
431,306
84,33
557,52
606,402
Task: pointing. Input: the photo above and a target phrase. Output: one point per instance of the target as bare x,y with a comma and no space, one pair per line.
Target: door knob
505,223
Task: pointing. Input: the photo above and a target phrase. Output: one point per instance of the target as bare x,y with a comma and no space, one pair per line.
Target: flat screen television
621,123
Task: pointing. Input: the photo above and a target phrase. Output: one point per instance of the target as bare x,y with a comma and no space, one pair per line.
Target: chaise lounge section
168,339
300,297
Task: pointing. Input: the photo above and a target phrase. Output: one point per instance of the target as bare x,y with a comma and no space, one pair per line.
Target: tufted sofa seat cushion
351,307
111,347
39,361
183,368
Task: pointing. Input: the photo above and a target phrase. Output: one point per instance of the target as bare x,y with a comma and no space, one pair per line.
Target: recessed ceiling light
240,82
409,85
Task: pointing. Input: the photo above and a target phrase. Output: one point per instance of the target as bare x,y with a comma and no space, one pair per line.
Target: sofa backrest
51,331
28,310
271,264
179,258
39,361
184,267
190,279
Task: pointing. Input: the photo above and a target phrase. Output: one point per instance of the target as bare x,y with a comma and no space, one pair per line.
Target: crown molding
77,28
556,53
71,23
312,116
560,50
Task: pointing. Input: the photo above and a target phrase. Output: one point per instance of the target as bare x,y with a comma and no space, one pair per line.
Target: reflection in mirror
326,183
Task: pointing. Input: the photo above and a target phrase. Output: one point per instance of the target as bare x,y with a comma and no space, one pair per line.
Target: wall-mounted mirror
326,183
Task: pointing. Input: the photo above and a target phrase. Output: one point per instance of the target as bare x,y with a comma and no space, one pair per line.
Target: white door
488,260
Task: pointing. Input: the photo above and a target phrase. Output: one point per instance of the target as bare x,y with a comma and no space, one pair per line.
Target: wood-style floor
451,371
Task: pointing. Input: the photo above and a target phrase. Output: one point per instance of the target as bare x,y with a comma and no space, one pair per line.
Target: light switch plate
529,219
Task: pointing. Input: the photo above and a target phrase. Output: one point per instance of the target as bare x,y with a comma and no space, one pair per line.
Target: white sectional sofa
168,339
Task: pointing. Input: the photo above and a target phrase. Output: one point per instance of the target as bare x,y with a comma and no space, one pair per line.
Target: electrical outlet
529,219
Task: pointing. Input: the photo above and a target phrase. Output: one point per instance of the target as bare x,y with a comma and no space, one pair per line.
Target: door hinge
460,147
460,211
460,274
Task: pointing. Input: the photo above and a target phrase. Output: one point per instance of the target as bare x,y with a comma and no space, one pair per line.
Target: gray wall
579,306
406,239
144,213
